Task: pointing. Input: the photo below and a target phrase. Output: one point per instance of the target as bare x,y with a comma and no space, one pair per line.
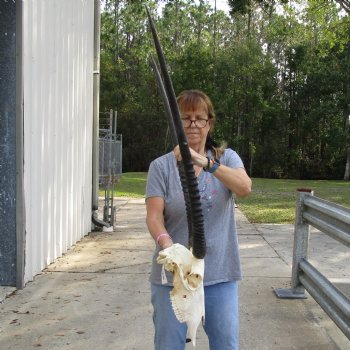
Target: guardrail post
300,250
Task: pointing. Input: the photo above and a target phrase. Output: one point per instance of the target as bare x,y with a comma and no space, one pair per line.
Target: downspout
20,204
96,110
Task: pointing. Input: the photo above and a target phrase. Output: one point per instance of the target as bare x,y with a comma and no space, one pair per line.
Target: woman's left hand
197,158
235,179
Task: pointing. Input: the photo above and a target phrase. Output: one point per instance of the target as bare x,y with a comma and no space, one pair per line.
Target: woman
220,174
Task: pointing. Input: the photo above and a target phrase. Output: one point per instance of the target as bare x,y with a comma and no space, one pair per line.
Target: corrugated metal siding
58,112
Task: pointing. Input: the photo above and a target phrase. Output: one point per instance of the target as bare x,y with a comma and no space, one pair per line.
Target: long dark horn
174,143
189,181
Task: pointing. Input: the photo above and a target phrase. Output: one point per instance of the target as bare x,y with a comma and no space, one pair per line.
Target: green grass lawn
130,185
271,201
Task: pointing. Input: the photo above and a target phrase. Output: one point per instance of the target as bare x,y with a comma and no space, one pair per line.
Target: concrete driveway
97,295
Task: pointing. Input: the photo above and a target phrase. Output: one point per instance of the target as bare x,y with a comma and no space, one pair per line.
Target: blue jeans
221,318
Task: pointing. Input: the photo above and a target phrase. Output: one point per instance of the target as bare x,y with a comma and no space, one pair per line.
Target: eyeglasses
199,123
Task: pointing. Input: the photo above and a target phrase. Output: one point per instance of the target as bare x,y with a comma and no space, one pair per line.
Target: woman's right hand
155,222
165,242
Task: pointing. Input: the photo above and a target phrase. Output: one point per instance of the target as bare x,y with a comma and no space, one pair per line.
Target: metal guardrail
333,220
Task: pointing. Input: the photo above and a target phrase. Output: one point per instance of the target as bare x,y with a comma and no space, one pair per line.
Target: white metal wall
58,112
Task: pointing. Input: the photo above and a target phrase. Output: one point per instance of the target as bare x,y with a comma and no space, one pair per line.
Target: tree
279,80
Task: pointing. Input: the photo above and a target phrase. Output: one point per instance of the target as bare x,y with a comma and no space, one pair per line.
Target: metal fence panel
110,159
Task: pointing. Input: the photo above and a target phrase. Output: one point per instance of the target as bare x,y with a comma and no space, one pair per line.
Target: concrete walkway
97,295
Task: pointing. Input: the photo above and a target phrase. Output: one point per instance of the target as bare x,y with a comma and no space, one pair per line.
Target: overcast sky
220,5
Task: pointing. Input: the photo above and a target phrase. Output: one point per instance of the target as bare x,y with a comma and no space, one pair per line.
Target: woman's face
196,125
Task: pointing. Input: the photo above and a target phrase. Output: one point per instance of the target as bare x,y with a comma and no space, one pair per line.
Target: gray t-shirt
222,261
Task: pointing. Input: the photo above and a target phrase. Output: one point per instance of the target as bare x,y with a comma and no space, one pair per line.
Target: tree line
278,73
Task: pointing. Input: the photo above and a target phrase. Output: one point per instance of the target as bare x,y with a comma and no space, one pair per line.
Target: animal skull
187,296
